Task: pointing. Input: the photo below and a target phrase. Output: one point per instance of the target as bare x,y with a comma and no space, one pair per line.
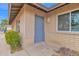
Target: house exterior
37,24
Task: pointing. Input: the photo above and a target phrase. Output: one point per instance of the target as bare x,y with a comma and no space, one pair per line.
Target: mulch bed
67,52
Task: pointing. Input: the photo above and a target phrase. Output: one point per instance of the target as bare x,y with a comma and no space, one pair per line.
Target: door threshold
41,44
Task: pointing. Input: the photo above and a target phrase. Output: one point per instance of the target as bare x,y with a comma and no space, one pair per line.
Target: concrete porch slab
42,50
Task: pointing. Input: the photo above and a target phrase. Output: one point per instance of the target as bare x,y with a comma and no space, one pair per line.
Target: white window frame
69,19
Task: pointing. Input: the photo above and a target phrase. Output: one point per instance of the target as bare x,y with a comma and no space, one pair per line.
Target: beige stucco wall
67,39
27,22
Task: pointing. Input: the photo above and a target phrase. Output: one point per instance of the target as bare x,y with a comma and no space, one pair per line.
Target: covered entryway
39,29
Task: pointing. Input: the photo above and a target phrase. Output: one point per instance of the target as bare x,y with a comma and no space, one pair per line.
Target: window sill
67,32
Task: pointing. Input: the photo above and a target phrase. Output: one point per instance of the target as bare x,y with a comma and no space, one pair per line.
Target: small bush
13,39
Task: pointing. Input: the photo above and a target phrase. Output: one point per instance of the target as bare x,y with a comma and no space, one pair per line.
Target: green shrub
13,39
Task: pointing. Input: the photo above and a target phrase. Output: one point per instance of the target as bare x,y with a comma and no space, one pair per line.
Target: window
63,22
75,21
69,21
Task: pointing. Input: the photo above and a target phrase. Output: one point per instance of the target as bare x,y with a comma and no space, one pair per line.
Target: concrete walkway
39,50
35,51
4,47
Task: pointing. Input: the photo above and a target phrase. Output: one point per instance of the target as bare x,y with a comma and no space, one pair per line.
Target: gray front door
39,29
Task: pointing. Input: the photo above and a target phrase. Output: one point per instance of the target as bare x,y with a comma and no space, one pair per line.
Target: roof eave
9,11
